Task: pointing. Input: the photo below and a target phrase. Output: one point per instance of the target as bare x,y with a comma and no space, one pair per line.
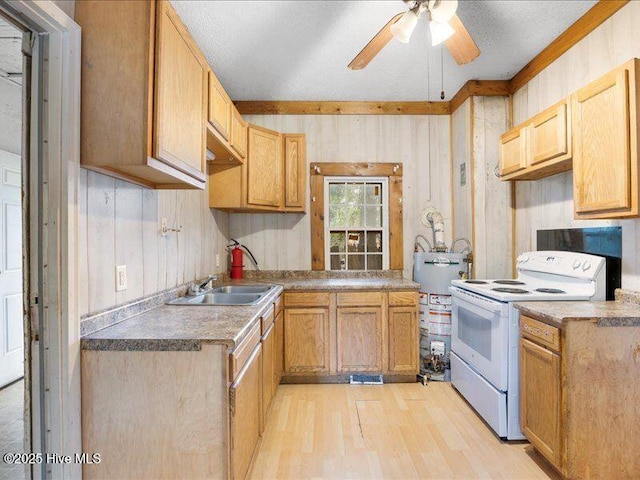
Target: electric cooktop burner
509,290
477,282
509,282
550,290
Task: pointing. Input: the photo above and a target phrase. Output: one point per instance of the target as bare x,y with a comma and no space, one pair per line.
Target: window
357,225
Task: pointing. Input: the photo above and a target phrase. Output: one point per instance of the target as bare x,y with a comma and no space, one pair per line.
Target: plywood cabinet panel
219,107
264,168
513,152
295,172
606,151
245,396
359,332
238,133
307,343
143,95
403,340
540,408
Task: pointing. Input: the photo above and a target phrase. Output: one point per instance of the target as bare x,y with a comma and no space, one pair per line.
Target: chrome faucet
195,289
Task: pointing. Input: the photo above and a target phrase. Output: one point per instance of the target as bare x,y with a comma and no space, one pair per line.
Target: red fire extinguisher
237,254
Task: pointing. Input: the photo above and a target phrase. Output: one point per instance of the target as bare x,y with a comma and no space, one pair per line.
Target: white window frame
385,217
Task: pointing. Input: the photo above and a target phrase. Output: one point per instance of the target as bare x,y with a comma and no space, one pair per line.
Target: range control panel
570,264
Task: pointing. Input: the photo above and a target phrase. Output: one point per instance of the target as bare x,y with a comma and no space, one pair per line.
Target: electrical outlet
121,278
217,259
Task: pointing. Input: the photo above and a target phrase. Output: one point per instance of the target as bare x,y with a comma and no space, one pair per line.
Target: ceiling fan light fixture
440,32
442,10
404,27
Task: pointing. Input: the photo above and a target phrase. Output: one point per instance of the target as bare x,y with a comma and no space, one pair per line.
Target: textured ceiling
299,50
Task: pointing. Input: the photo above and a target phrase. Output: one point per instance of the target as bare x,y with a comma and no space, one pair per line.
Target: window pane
356,262
355,193
373,193
355,242
337,193
338,262
337,217
338,242
354,216
374,217
374,262
374,242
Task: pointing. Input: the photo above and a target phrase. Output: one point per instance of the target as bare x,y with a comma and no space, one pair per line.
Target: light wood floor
395,431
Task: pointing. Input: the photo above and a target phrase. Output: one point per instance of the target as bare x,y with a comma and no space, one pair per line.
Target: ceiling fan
444,24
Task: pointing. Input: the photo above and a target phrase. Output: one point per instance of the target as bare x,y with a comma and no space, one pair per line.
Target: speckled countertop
623,312
180,328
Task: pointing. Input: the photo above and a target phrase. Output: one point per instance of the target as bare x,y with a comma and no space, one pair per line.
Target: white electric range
485,327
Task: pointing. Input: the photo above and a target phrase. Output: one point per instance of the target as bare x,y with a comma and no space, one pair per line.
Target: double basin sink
227,295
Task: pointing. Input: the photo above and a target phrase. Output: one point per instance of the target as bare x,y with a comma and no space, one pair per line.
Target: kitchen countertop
605,314
186,328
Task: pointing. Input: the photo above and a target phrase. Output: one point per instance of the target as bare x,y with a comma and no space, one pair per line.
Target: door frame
52,160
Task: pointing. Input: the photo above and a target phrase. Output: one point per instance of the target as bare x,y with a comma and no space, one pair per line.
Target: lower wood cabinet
245,411
578,395
306,337
403,340
268,364
540,398
332,335
278,340
359,346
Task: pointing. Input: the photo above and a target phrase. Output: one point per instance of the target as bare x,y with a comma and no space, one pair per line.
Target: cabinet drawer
541,333
267,320
277,305
306,299
359,299
397,299
242,352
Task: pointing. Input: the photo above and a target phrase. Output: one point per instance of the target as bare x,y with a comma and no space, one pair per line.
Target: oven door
480,335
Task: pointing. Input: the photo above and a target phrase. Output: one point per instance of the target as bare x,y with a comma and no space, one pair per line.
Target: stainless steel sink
227,295
242,289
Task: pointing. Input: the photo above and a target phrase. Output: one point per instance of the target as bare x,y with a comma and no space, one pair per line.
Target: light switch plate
121,278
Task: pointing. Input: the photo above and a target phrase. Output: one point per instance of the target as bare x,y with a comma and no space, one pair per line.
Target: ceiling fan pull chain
441,74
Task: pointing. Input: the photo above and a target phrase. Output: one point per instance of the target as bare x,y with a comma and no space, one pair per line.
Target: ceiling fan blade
461,46
374,47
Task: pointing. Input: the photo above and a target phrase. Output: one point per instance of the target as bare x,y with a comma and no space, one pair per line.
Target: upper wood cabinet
605,177
273,177
144,88
513,152
538,148
263,169
295,172
219,107
238,133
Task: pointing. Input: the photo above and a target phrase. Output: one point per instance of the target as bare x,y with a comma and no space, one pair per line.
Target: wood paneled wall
482,206
420,143
548,203
119,224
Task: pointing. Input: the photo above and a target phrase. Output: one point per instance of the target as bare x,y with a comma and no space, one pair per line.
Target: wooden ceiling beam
482,88
342,108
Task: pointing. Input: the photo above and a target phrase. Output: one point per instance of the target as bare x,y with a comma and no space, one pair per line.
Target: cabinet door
278,351
602,152
244,412
359,339
295,172
219,107
238,133
180,97
264,168
513,156
403,340
268,354
550,135
540,415
306,340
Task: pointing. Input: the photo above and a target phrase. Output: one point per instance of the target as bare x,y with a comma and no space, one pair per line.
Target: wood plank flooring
394,431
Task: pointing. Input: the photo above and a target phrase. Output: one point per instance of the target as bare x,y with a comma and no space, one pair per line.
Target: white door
11,331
